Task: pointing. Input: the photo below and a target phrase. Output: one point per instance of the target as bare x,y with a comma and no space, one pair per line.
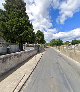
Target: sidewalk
14,81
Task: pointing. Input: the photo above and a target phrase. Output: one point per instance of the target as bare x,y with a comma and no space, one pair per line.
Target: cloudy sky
56,18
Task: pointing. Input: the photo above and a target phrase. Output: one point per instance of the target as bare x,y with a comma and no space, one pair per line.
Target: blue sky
55,18
70,23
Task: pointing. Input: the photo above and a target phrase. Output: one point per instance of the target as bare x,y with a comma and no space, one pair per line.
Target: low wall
11,60
14,48
3,50
71,51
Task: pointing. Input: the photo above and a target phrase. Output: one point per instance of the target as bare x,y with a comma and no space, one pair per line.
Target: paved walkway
54,73
15,80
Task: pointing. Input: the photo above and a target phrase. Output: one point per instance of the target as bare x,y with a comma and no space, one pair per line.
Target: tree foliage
15,24
55,42
40,37
67,43
75,42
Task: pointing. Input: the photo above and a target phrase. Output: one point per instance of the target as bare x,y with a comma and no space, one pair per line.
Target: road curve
54,73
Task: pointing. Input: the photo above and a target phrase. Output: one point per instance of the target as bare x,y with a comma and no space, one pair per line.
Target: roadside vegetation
59,42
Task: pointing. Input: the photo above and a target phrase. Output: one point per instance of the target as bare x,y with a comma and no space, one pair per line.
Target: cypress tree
15,24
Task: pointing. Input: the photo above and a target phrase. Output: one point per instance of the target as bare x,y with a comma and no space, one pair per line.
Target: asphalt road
54,73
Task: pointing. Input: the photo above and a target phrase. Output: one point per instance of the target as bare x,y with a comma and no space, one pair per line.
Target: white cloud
1,6
49,34
65,36
39,9
73,34
67,9
38,13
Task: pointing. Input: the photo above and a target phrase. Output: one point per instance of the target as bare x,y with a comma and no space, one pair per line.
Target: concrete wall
3,48
11,60
14,48
71,51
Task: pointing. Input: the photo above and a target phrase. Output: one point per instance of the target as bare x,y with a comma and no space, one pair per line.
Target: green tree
75,42
40,37
1,19
56,42
15,24
67,43
53,42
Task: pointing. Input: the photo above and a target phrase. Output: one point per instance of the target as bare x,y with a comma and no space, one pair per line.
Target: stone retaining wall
70,51
11,60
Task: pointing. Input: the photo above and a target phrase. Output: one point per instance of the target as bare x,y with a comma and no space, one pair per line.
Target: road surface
54,73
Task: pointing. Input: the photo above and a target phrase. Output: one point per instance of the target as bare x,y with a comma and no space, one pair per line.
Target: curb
25,78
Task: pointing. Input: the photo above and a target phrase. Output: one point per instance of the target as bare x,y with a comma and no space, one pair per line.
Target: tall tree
40,37
15,24
1,19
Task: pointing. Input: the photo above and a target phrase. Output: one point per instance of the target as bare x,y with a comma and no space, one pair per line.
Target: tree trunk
21,46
